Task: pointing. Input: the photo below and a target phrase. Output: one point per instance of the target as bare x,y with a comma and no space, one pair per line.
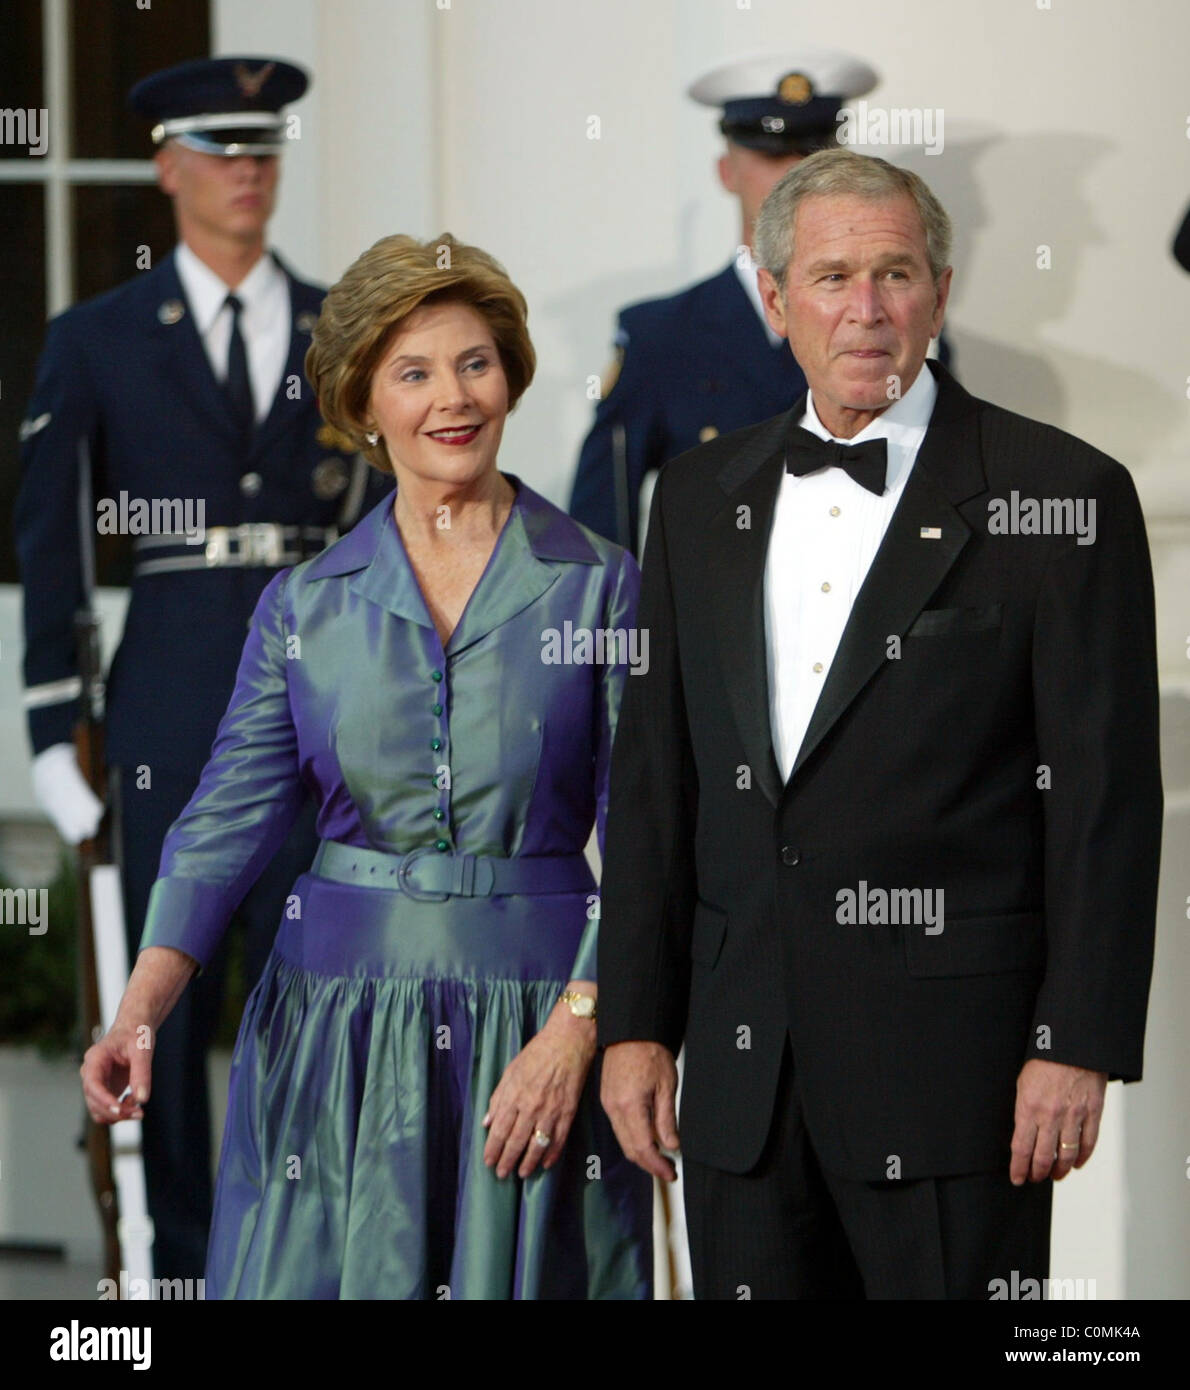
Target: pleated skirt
352,1157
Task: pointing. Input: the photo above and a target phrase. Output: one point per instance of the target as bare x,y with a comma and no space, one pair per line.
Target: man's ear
167,172
943,292
773,301
726,169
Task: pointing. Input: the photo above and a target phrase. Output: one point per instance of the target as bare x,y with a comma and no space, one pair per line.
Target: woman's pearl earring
373,437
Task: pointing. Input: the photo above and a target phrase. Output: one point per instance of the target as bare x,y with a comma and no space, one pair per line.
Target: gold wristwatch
580,1005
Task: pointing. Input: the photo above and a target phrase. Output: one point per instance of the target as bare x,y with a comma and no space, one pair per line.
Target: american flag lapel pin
931,533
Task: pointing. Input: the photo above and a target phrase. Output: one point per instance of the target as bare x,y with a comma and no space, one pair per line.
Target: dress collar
522,565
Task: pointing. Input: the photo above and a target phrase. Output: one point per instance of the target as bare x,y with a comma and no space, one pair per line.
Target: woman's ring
543,1139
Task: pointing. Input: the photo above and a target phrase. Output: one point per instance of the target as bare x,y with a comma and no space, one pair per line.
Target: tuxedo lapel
739,539
912,560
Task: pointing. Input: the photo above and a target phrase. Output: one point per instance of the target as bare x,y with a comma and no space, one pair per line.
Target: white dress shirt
745,269
264,320
826,532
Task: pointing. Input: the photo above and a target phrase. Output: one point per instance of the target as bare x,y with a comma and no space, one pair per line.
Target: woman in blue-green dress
414,1107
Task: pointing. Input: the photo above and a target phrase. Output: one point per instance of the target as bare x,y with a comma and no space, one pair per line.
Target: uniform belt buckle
218,545
419,895
261,543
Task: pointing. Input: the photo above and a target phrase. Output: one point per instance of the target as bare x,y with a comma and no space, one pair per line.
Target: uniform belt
266,544
430,875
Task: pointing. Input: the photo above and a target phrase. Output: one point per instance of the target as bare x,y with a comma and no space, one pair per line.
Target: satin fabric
351,1163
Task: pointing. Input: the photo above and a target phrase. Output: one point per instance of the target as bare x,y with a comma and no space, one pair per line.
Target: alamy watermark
1015,515
26,126
893,125
601,646
25,907
913,907
156,516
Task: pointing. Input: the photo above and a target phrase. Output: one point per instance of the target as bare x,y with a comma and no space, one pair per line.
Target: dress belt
430,875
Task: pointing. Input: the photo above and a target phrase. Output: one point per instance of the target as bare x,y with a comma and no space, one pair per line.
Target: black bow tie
867,463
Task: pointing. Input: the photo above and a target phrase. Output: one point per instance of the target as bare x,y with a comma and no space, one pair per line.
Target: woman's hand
539,1093
120,1060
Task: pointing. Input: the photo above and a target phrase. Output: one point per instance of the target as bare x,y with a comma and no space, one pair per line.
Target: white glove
61,790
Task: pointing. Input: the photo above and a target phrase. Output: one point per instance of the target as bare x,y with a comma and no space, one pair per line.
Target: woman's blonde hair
374,297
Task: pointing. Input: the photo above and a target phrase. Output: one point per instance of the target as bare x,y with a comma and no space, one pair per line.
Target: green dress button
439,814
435,675
441,845
435,709
435,744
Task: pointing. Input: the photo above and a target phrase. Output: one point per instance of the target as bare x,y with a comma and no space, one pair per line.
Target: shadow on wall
1018,364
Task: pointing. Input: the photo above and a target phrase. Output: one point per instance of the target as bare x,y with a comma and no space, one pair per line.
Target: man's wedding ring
1068,1146
543,1139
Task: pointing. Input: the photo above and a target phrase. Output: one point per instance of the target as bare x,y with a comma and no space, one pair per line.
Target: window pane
112,48
114,227
20,75
22,293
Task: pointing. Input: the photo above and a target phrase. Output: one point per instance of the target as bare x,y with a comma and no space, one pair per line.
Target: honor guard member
183,386
704,362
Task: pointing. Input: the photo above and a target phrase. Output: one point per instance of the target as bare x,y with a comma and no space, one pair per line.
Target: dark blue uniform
694,365
128,372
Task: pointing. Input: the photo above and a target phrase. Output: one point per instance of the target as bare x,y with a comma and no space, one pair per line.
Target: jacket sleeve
1096,715
62,411
627,404
619,616
649,886
247,800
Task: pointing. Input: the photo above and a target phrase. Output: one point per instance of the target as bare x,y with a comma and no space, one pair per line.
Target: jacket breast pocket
991,945
943,622
707,933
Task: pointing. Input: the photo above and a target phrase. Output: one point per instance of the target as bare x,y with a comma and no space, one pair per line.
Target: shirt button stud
435,709
435,675
818,668
435,744
790,856
834,511
441,846
826,588
250,484
439,813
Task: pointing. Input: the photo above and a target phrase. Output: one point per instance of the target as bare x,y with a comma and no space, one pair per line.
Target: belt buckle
419,895
218,545
260,543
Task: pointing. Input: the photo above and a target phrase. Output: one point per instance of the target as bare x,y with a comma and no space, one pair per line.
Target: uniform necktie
237,384
866,463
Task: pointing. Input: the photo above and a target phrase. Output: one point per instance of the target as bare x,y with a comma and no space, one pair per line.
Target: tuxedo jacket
127,372
988,729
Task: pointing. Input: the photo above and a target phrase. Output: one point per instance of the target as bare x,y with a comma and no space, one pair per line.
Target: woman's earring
373,437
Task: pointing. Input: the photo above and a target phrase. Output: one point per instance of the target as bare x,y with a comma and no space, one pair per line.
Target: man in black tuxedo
885,812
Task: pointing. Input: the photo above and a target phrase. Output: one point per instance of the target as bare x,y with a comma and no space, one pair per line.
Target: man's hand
1057,1119
640,1082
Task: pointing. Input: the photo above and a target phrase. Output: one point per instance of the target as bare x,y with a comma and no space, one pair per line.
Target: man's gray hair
843,172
